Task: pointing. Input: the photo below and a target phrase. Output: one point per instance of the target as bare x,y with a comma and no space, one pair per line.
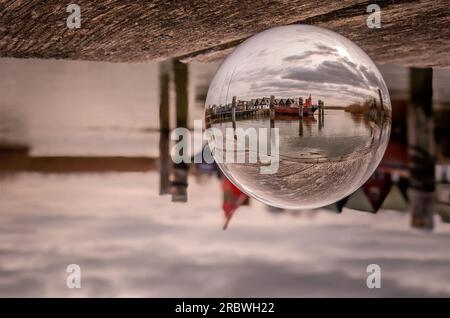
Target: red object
233,198
308,108
308,102
280,110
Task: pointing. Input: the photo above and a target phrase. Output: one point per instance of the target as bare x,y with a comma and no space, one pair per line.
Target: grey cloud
325,48
369,75
335,77
335,72
299,57
286,84
262,53
351,65
284,87
322,51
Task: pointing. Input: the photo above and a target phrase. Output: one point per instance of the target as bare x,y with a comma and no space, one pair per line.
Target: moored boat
293,109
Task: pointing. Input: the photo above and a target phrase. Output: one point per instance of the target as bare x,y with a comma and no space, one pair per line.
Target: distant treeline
335,107
359,107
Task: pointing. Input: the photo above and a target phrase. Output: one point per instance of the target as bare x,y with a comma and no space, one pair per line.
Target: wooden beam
413,33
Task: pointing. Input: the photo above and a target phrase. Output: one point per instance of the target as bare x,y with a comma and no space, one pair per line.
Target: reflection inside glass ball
299,117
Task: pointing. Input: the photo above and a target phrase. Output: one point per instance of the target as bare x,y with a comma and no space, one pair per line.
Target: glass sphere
298,117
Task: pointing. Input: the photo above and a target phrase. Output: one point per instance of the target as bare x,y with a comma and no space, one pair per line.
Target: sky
297,60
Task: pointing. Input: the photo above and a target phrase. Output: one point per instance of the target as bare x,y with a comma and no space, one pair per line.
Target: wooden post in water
272,111
323,114
272,123
300,108
272,107
320,109
164,156
300,116
181,170
421,148
233,112
381,101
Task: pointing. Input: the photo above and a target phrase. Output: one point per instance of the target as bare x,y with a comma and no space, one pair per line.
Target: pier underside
412,33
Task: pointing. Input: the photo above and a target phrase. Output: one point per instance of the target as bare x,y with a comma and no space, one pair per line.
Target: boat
293,109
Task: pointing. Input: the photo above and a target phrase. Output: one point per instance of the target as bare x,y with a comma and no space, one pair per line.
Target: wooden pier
239,114
412,33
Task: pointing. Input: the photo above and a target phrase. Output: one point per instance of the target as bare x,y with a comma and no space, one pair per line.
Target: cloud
322,50
327,72
335,77
370,76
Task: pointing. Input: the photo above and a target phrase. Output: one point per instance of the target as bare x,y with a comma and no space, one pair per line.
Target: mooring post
233,112
300,127
272,111
381,102
320,108
272,107
181,170
323,114
421,148
300,108
164,157
300,116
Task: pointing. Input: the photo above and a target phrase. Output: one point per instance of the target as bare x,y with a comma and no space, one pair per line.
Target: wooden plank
413,32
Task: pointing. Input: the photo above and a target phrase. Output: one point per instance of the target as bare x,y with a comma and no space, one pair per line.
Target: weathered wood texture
413,32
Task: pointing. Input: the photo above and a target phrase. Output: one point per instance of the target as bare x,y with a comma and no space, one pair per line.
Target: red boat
307,111
293,109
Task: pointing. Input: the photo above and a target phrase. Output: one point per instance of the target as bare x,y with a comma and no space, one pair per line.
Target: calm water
320,161
341,134
129,241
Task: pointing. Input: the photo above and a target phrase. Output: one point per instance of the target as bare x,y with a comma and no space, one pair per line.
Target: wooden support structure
412,33
300,126
300,107
180,171
164,169
421,162
233,112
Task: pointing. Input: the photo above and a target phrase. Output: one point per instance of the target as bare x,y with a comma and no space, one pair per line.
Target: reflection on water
319,164
80,184
340,134
131,242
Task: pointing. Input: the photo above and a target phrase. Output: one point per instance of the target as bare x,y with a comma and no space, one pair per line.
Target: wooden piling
300,107
421,148
164,168
179,184
381,101
233,112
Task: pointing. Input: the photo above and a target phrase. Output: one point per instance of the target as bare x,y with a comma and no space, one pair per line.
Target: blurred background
86,177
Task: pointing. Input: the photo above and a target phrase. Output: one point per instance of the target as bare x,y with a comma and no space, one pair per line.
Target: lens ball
298,116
